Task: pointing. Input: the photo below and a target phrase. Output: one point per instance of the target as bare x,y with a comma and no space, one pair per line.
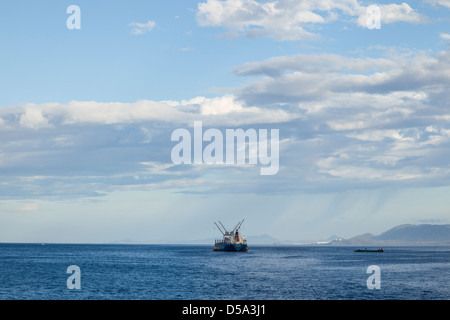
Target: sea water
172,272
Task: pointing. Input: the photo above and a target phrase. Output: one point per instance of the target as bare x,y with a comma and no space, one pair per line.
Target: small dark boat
367,250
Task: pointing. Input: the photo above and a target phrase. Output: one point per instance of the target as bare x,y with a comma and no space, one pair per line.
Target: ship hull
231,247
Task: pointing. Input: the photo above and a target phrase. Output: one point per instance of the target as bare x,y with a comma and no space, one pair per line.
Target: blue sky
86,117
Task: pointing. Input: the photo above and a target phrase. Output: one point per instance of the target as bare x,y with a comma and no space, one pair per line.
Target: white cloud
252,18
445,3
220,105
33,118
114,112
141,28
391,13
445,36
365,173
223,110
288,20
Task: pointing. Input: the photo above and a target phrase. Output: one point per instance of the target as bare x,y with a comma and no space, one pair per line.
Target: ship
232,240
366,250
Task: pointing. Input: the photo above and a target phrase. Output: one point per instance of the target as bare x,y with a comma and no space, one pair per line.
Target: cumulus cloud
141,28
252,18
391,13
288,20
33,118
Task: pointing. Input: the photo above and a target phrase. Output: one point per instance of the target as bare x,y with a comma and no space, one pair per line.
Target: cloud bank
345,122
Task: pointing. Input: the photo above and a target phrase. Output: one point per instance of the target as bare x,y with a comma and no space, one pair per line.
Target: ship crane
223,233
226,232
222,226
238,226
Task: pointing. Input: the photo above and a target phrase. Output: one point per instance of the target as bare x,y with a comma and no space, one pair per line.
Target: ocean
196,272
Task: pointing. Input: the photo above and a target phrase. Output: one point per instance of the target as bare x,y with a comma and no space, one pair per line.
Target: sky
87,114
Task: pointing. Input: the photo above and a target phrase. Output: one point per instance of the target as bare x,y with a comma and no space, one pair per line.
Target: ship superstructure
232,240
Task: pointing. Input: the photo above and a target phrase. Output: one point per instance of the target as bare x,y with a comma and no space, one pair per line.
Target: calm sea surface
172,272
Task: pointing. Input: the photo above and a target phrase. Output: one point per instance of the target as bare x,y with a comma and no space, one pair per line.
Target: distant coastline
401,235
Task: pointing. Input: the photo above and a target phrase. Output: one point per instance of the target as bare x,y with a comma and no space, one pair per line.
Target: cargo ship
232,240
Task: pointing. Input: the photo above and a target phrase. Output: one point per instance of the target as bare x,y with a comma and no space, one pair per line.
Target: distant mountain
332,238
422,232
403,235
